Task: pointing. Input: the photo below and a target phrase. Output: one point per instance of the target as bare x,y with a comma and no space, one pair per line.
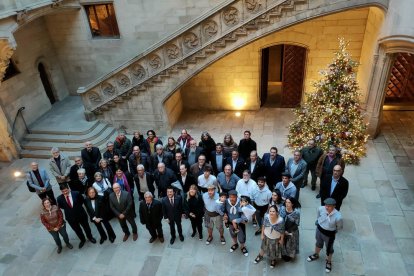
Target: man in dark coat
246,145
144,181
163,177
137,157
193,152
71,202
236,163
172,208
218,160
179,160
274,167
255,165
121,205
161,156
335,187
150,215
91,156
311,155
79,164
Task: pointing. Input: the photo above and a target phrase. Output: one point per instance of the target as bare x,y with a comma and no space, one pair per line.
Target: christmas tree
332,114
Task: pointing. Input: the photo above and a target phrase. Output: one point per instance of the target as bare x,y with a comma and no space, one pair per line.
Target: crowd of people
223,185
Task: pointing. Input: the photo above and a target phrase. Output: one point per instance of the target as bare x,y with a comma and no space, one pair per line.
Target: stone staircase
164,67
39,142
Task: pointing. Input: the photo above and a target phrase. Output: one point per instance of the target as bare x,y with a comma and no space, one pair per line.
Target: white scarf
233,209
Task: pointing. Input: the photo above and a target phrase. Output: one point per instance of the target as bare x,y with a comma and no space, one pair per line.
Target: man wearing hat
211,217
329,221
335,187
286,187
232,212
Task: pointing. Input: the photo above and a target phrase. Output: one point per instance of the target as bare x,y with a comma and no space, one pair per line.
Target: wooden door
264,76
400,88
293,75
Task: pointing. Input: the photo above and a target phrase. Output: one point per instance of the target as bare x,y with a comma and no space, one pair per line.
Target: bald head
337,172
117,188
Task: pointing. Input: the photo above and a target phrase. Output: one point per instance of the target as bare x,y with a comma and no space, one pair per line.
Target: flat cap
286,174
232,192
211,187
329,201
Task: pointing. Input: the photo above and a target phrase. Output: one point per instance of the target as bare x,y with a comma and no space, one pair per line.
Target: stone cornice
397,43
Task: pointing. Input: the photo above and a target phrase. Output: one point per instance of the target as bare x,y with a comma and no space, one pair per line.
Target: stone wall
141,24
233,81
26,89
173,106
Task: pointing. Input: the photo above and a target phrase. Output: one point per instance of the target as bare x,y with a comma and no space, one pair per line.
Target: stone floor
377,238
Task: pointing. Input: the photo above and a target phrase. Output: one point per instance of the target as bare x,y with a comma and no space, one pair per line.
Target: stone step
70,136
69,145
45,153
93,125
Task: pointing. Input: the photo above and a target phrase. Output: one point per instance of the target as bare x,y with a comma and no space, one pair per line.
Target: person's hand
121,216
123,157
62,177
183,216
225,218
262,236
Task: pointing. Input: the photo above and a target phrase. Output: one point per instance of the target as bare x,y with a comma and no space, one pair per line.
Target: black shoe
200,237
181,238
112,239
318,195
101,241
59,249
258,232
193,234
303,185
152,240
172,240
69,245
161,239
313,188
81,244
92,240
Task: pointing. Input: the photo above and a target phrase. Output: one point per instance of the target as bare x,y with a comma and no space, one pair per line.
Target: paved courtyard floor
377,238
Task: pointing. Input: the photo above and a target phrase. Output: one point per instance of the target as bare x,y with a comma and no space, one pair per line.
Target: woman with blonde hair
194,210
228,145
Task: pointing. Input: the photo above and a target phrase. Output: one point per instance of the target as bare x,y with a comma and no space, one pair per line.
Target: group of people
221,184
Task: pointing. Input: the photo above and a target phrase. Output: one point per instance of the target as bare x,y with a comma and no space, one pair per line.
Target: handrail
15,119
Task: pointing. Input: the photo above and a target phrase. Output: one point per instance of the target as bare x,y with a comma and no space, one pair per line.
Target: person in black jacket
150,215
81,183
80,165
144,181
194,210
119,163
236,163
335,187
98,213
71,203
172,209
91,156
163,177
207,144
255,165
138,140
246,145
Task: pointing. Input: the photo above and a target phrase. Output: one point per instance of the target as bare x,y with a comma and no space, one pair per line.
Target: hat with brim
329,201
211,187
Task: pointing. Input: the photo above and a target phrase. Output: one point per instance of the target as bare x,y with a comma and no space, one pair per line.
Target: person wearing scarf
232,212
272,236
123,145
151,142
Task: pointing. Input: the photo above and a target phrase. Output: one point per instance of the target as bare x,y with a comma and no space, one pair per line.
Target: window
11,71
102,20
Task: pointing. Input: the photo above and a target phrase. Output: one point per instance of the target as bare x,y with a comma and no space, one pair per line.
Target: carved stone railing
197,41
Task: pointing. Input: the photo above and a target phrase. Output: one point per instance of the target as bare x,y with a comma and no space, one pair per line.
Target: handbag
31,189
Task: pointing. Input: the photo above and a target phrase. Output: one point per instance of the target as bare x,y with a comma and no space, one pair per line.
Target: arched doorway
399,92
46,82
282,75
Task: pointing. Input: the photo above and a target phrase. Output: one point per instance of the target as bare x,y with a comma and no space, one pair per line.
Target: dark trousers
197,224
124,225
76,226
260,212
172,228
50,195
108,228
63,233
298,184
313,175
155,230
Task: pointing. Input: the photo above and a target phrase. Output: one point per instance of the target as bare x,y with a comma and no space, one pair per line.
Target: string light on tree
332,114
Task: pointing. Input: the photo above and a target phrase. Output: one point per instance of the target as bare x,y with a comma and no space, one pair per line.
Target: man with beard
274,167
193,152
